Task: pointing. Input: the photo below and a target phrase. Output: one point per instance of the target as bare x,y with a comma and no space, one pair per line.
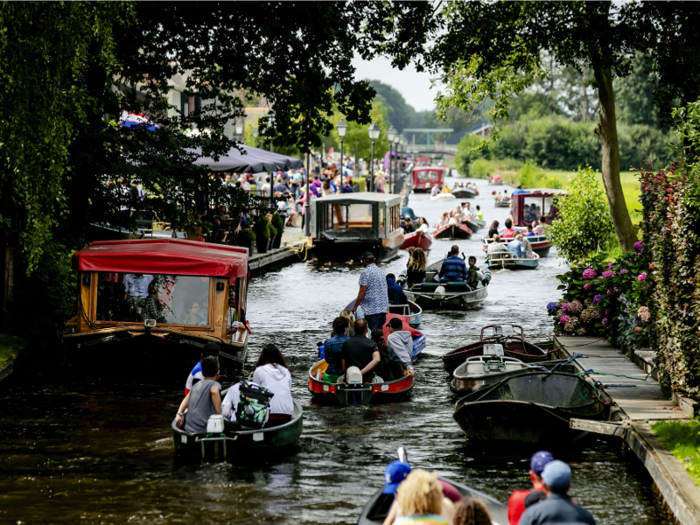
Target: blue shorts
375,321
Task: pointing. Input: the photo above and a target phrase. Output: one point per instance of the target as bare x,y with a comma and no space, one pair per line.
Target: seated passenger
493,230
333,351
453,269
497,246
407,226
361,352
473,273
479,213
151,308
204,399
539,229
444,220
529,233
271,372
396,295
516,248
422,225
209,350
509,232
417,263
390,367
526,245
192,314
401,343
349,318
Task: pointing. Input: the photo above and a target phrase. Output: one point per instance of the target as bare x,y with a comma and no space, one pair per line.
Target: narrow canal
82,451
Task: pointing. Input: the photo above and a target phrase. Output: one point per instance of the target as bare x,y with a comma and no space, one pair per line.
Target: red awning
164,256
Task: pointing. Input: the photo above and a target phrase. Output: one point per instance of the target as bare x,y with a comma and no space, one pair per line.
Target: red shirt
510,232
450,492
516,506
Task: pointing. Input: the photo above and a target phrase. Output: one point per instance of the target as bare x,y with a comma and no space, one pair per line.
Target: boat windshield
532,208
169,299
428,176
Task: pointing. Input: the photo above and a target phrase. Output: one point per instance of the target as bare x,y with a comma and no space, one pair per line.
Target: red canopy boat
417,240
424,178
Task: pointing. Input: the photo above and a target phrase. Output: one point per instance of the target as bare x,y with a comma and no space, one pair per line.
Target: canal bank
642,402
295,248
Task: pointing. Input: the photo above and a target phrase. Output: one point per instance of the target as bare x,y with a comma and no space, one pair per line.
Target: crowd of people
421,497
512,241
463,214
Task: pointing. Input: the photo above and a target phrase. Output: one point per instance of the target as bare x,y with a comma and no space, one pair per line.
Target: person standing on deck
373,295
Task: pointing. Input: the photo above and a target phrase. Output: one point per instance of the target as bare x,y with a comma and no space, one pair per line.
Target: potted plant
273,235
262,233
278,223
246,239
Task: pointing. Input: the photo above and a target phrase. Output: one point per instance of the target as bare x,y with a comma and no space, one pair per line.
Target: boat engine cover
353,376
215,425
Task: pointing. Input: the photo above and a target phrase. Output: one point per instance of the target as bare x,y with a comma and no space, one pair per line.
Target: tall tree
494,49
398,110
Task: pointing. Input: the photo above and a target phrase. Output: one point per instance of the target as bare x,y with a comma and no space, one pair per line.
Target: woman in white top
423,225
326,188
271,372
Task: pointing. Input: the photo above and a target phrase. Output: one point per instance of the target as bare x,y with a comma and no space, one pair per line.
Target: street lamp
342,129
271,124
373,135
397,141
239,128
391,134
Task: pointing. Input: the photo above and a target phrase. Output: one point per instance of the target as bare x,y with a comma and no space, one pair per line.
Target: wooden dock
641,397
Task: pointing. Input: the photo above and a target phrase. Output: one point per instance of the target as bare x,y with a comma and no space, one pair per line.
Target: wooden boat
455,231
378,507
514,345
442,197
485,370
426,177
535,407
508,260
539,243
186,273
346,225
417,240
359,394
447,296
464,193
241,446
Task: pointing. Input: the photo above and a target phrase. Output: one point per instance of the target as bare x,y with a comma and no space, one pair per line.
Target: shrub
277,223
245,237
481,169
584,222
262,228
467,152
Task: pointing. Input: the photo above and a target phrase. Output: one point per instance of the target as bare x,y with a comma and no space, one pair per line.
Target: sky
414,86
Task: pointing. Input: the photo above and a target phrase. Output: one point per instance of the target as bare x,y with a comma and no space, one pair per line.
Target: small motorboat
496,181
343,394
493,366
432,295
455,231
443,197
503,203
240,446
472,225
417,240
506,335
465,193
539,243
533,407
508,260
411,311
378,507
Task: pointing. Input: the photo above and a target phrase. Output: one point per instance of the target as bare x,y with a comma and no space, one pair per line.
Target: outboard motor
353,376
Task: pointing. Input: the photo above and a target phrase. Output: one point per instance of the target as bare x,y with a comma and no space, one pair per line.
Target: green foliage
262,228
357,136
467,152
671,202
277,223
10,346
245,237
584,221
399,112
481,169
683,440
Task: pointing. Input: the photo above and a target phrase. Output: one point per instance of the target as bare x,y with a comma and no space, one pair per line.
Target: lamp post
307,214
342,129
373,135
271,124
238,128
255,136
397,141
391,135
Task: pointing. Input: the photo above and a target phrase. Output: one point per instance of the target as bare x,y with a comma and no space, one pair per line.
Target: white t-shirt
230,402
277,380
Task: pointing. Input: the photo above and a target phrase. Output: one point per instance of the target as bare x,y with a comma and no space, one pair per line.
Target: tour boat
417,240
506,335
508,260
529,207
345,225
481,371
426,177
195,293
432,295
534,407
465,193
242,446
454,231
539,243
356,394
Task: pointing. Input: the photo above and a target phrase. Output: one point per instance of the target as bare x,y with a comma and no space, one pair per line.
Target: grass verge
683,440
9,347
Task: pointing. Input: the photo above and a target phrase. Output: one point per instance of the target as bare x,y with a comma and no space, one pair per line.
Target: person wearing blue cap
557,507
516,502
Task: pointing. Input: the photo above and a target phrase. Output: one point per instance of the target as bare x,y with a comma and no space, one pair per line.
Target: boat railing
532,239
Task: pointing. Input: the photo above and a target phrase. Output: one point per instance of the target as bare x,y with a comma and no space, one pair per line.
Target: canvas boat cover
163,256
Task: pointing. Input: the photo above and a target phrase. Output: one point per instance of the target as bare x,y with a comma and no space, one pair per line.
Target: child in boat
333,351
472,273
209,350
203,401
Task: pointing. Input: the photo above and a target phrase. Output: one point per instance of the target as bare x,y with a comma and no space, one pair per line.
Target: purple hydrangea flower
564,307
642,276
590,273
597,299
604,322
623,272
564,319
587,287
552,306
610,265
638,246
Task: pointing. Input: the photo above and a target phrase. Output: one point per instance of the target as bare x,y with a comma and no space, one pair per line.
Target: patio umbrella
254,160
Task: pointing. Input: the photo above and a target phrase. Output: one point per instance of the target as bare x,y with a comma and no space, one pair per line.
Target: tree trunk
607,132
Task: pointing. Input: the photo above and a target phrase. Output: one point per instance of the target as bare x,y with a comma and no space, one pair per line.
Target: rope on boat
591,371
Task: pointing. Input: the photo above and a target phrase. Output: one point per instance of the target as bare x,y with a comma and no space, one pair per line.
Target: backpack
253,408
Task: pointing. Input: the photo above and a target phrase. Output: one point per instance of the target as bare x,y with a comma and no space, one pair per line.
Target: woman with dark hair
271,372
493,229
390,367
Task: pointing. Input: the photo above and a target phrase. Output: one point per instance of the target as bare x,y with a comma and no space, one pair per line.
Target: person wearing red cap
516,502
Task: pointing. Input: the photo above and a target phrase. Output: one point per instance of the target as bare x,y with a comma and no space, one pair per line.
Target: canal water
76,450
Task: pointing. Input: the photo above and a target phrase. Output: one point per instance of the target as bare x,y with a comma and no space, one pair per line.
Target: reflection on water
100,453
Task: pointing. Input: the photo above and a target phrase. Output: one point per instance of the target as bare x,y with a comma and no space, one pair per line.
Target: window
169,299
347,216
532,208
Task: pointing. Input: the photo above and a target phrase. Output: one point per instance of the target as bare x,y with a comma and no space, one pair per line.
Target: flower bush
613,306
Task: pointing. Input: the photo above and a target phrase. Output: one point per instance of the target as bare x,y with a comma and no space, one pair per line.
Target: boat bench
449,287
